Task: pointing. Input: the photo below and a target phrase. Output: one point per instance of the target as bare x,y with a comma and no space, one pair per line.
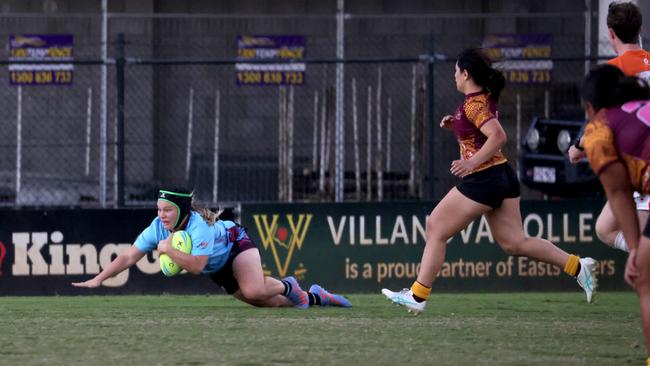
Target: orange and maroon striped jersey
476,110
621,134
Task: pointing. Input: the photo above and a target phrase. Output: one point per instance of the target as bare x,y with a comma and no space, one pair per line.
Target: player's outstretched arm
122,262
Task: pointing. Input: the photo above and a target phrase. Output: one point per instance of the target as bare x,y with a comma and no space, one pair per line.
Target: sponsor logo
283,241
68,259
21,41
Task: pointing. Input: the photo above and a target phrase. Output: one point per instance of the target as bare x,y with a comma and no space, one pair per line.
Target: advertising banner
502,47
40,47
42,252
363,247
350,247
283,53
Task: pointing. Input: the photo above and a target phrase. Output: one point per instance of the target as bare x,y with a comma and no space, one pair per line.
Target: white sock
619,242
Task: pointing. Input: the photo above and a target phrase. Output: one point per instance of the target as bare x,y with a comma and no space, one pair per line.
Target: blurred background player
624,21
489,187
221,249
617,143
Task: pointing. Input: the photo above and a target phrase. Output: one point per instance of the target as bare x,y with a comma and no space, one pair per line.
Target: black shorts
225,276
491,186
646,231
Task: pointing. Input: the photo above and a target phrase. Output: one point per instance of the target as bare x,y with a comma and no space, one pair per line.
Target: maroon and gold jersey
476,110
621,134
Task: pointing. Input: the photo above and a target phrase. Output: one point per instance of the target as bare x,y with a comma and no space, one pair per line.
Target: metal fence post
431,192
119,71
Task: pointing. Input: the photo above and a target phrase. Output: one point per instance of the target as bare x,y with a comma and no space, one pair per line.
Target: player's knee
434,232
642,283
430,224
253,293
642,286
603,231
511,247
603,236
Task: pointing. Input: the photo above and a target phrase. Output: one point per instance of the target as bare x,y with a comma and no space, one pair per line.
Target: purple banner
41,47
537,47
269,47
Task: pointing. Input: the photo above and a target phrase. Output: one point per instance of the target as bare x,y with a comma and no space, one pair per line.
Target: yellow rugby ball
182,241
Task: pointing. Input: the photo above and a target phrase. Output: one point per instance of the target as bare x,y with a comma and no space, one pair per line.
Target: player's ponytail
210,217
479,67
496,83
606,86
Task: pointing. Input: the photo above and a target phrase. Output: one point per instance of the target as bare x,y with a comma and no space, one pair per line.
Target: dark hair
606,86
479,67
625,20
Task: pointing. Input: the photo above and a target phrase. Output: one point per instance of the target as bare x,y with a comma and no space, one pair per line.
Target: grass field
457,329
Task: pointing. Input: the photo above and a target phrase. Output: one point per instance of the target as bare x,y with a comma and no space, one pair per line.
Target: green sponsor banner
363,247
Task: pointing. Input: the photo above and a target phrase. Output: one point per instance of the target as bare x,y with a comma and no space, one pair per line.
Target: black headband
183,203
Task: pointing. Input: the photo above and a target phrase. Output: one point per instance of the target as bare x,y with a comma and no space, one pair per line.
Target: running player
624,22
489,187
617,142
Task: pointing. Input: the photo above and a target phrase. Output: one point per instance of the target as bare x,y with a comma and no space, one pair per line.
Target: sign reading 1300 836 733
270,60
27,48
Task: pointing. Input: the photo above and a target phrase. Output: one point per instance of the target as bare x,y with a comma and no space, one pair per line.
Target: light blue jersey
210,240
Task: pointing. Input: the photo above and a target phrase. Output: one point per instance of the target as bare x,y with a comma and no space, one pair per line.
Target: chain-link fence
187,121
277,143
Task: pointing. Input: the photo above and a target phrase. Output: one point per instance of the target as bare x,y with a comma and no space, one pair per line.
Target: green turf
456,329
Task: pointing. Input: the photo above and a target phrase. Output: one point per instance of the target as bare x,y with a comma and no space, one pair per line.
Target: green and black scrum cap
182,202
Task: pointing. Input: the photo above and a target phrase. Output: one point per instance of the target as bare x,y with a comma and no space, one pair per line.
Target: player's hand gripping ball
180,241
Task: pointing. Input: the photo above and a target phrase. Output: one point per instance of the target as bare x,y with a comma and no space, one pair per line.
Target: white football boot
587,277
405,298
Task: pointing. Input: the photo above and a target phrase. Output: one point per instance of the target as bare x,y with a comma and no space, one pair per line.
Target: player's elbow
501,137
194,271
129,257
198,264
